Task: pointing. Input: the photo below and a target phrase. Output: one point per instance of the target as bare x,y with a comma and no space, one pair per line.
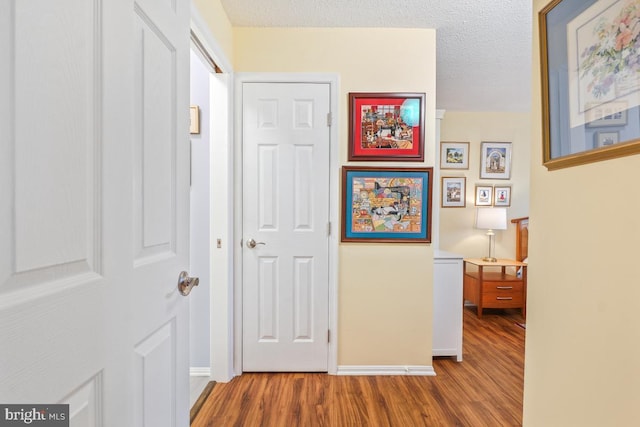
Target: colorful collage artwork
386,126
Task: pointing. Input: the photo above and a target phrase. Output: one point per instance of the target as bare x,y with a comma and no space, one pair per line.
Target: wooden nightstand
491,285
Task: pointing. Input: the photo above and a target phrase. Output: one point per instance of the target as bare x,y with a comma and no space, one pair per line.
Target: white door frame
221,205
334,192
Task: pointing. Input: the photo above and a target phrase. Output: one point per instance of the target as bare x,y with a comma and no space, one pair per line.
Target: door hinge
328,229
329,119
328,335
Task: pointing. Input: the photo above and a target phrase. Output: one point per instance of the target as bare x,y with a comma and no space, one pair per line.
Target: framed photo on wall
502,195
386,204
495,160
484,195
589,59
386,126
454,155
454,192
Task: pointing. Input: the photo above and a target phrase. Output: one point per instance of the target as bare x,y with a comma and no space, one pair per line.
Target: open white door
94,175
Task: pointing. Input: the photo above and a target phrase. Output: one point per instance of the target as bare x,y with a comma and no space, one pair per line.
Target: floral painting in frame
604,39
590,75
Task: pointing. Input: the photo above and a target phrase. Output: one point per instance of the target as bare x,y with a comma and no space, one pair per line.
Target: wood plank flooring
483,390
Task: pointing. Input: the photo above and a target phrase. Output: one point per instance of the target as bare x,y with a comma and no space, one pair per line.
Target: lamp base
490,259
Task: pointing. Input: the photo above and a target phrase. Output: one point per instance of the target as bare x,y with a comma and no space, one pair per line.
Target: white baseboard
200,372
385,370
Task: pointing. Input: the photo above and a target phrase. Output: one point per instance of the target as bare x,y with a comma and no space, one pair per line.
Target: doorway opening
210,246
200,228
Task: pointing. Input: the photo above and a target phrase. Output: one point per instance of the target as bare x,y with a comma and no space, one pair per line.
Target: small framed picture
484,195
495,160
605,139
502,195
454,192
454,155
194,120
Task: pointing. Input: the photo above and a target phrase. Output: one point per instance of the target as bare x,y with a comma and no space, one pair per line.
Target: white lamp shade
491,218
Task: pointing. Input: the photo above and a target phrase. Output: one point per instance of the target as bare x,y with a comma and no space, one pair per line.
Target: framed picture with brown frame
454,155
589,57
386,127
386,204
453,192
502,195
495,160
484,195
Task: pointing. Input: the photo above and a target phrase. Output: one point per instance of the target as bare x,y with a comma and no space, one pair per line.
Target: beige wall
385,291
457,231
583,336
215,16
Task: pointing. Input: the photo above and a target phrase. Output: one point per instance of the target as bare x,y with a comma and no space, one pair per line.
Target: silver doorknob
252,243
186,283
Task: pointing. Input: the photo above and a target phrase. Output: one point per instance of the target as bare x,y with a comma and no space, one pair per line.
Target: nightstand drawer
503,287
502,299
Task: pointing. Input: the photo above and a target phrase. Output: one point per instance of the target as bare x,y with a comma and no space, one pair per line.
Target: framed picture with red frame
386,127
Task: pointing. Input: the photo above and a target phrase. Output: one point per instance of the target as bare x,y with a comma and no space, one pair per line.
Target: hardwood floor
483,390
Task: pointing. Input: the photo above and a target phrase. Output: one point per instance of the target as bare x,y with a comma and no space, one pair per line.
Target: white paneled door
94,175
285,227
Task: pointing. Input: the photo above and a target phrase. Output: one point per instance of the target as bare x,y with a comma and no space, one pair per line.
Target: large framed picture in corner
386,204
590,74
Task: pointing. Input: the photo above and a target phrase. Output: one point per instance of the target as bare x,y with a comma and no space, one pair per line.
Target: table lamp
491,219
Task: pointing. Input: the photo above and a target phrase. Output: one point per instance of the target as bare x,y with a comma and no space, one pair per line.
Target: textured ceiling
483,46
